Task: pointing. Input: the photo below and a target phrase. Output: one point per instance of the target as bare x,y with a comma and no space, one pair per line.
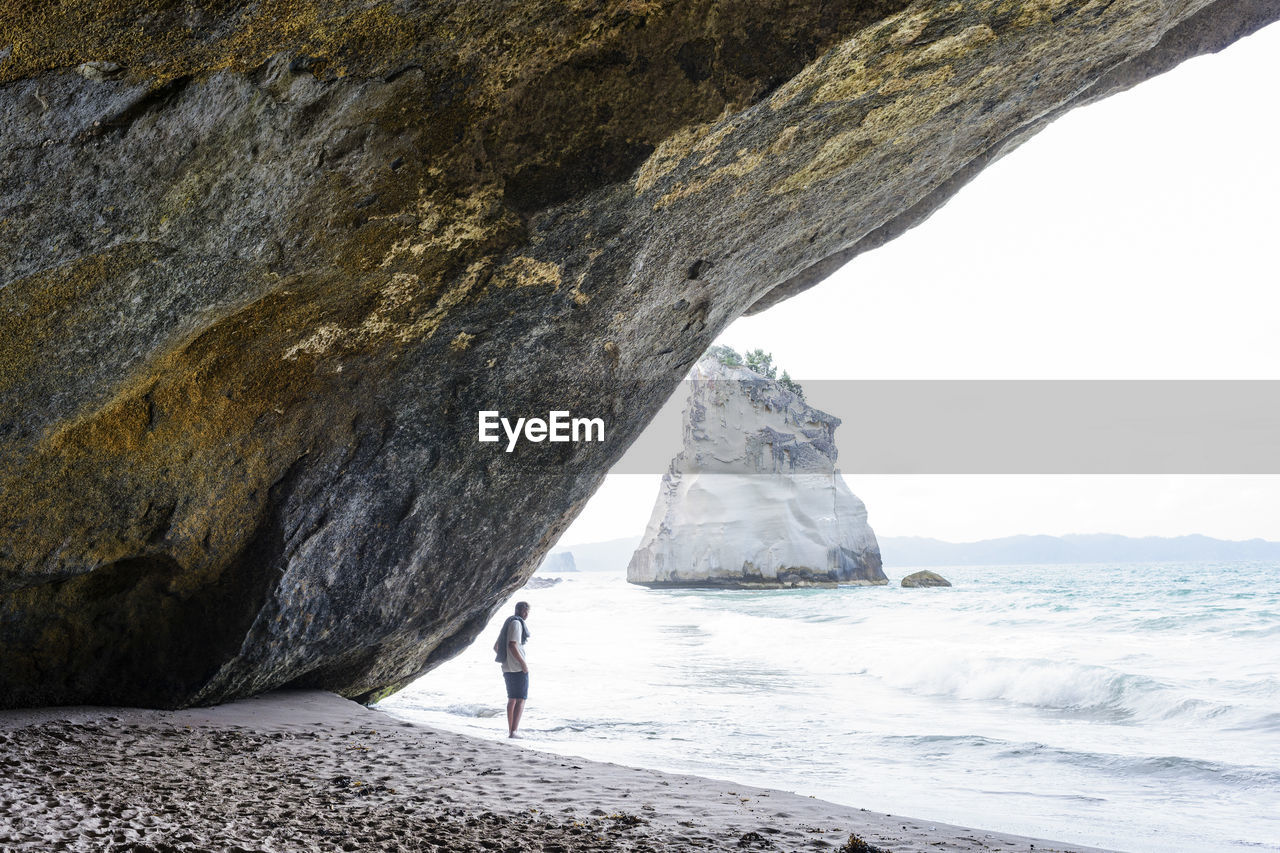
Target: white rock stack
558,563
754,500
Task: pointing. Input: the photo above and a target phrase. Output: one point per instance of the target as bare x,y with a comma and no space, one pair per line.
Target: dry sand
301,771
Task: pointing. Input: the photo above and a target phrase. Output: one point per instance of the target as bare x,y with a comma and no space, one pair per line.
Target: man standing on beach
515,666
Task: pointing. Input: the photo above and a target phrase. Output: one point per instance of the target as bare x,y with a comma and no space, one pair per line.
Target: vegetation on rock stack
757,360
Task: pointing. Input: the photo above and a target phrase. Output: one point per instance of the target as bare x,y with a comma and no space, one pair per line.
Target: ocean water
1134,707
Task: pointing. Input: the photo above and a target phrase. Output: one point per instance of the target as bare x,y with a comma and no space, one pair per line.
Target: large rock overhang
262,263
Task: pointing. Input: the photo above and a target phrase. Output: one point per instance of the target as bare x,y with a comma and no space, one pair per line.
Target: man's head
522,609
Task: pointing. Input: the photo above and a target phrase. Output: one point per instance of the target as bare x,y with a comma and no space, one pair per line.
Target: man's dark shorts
517,684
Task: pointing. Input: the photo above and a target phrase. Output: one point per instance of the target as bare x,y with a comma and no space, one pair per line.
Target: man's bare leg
515,707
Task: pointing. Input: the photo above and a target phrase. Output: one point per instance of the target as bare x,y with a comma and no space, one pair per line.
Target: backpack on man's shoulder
500,644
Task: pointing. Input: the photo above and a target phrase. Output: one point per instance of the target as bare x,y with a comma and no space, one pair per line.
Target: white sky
1133,239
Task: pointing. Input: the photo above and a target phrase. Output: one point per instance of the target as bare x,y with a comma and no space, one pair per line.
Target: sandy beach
300,771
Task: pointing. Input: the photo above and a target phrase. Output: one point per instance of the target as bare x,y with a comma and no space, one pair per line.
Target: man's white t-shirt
515,633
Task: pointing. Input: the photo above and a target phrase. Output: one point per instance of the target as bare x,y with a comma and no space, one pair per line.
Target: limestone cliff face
753,499
261,263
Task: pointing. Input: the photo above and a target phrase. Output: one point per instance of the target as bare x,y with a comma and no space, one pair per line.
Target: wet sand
303,771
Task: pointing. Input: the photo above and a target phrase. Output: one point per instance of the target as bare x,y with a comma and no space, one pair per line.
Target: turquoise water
1135,707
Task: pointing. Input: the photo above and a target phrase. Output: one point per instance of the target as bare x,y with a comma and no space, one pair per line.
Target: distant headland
924,551
1073,548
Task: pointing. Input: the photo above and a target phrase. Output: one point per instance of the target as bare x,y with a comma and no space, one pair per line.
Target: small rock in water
925,578
542,583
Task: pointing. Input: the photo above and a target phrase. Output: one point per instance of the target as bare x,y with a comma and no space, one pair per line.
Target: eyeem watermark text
558,426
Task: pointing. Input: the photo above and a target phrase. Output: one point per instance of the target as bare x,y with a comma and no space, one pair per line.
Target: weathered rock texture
262,262
753,499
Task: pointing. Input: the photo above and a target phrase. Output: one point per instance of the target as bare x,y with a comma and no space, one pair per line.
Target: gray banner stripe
1029,427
